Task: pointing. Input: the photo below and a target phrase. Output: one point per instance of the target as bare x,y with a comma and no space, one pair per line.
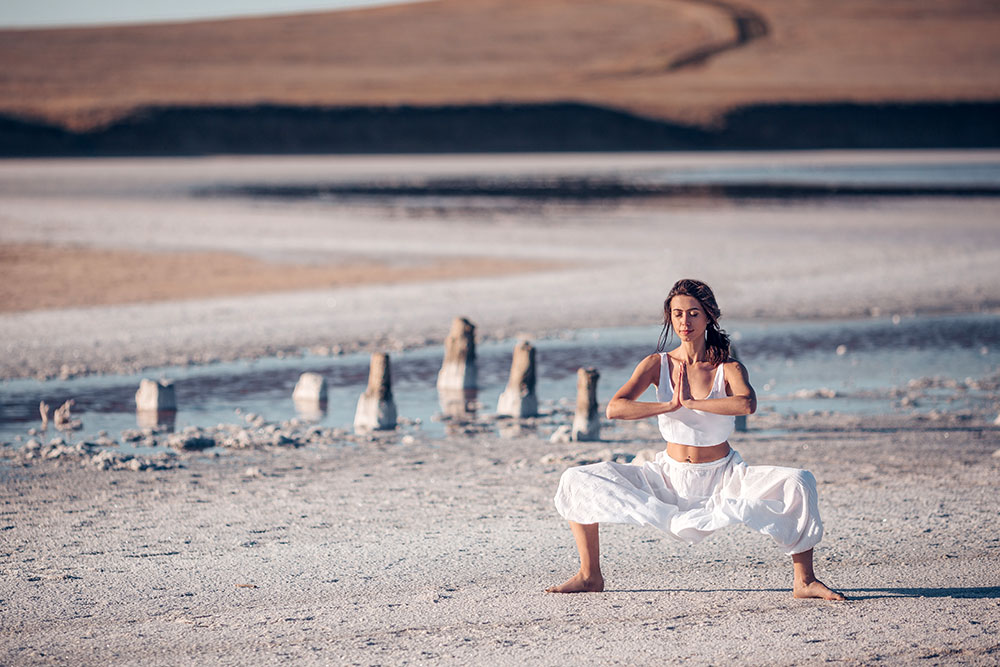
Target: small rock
190,442
815,393
561,435
644,455
253,472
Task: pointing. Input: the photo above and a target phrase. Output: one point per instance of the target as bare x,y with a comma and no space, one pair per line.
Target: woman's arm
623,405
742,400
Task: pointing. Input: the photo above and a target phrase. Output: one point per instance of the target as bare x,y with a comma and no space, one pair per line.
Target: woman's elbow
614,409
750,406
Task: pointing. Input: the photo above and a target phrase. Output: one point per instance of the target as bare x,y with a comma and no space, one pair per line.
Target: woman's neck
692,351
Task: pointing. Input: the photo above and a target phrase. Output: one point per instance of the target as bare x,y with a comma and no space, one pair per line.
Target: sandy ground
379,552
92,277
437,552
596,265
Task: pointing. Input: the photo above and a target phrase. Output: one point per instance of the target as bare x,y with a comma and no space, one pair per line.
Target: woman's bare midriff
691,454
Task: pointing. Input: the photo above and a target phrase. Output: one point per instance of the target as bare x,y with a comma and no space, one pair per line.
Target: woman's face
687,318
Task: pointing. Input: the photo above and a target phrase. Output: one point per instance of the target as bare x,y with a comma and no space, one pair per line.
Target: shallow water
792,364
863,364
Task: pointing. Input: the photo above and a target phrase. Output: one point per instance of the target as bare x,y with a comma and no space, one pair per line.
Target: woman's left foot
816,589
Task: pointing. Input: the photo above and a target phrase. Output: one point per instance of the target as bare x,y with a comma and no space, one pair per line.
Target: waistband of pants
665,459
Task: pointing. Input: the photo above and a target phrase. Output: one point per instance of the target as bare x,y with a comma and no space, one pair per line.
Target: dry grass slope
682,60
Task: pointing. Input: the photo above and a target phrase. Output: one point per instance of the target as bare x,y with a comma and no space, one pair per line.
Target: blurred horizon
28,14
336,76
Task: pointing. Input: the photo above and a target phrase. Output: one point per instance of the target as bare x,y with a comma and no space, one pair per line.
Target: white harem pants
690,501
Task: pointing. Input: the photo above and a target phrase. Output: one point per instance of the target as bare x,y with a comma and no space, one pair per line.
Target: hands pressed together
682,389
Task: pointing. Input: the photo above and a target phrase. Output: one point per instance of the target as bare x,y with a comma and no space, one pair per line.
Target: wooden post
458,371
155,396
741,420
376,409
155,404
586,422
311,388
518,399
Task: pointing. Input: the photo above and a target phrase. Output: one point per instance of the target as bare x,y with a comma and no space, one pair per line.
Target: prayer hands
682,390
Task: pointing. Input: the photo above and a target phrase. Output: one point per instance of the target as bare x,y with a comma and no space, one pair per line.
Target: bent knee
805,478
804,483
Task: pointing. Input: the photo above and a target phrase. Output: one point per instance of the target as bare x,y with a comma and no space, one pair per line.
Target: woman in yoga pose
698,484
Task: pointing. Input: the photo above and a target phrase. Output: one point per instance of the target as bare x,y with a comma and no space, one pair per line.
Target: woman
698,484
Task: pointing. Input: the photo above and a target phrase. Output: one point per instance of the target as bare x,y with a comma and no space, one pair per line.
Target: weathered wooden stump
45,410
311,388
741,420
63,417
458,371
155,396
518,399
309,396
376,410
586,422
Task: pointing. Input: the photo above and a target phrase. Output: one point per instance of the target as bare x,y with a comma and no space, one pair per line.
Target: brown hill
680,60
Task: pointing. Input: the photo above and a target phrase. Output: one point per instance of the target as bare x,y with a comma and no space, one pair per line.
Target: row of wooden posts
457,384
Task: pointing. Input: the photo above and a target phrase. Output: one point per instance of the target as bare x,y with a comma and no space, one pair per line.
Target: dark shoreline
505,128
568,189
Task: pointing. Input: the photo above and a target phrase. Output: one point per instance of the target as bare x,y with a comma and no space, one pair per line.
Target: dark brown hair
716,340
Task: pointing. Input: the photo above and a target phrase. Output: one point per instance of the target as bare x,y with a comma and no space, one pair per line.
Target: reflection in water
160,420
310,410
458,404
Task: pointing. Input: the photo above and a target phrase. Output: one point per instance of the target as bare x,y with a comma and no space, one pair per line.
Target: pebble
562,434
190,442
644,455
815,393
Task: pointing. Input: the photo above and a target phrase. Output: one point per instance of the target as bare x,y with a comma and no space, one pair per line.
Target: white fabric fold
690,501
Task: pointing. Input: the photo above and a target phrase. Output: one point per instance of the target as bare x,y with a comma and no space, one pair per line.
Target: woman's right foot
579,584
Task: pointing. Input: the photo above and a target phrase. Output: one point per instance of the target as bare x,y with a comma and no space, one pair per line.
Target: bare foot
579,584
816,589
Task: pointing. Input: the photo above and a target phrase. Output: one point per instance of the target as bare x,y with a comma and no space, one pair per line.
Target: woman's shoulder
649,367
654,359
733,366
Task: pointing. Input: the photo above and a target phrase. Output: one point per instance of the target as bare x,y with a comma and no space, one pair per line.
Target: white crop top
685,426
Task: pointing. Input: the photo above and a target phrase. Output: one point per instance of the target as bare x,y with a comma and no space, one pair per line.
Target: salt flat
438,552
